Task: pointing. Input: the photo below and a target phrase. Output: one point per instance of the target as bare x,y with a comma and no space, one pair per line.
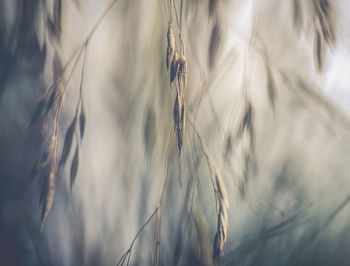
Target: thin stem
127,254
82,72
122,259
79,50
204,147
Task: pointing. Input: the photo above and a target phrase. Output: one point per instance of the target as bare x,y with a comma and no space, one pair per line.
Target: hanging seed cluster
46,117
176,62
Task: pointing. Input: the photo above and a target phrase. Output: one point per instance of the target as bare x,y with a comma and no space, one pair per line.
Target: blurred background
267,95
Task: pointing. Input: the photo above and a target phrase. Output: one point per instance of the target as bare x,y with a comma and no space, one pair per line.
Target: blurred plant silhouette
172,133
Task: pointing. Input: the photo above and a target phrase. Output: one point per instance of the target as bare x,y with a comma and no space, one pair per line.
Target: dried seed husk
171,46
44,130
74,167
179,117
176,112
319,51
246,122
48,194
68,140
182,72
174,67
52,99
214,44
82,121
221,233
182,59
183,121
38,110
46,156
271,87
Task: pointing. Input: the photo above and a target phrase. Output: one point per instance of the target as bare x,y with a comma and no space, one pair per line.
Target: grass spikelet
222,225
324,26
319,51
178,120
68,140
215,37
247,121
52,99
39,110
325,20
182,73
49,153
74,167
82,121
174,67
271,86
220,196
171,46
49,193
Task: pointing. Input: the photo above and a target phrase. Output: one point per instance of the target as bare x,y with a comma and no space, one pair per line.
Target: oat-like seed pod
74,167
221,233
182,73
52,99
179,117
171,47
49,195
271,86
82,121
68,140
214,43
174,67
39,110
49,153
319,51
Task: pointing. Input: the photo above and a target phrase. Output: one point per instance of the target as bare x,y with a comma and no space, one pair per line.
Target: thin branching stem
128,252
126,256
205,151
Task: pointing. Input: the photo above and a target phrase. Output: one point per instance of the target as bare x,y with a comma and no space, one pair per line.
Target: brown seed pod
221,233
68,140
182,59
319,51
82,121
49,193
43,132
183,117
49,153
271,86
174,67
179,117
182,73
52,99
74,167
247,120
39,110
171,46
214,43
176,112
